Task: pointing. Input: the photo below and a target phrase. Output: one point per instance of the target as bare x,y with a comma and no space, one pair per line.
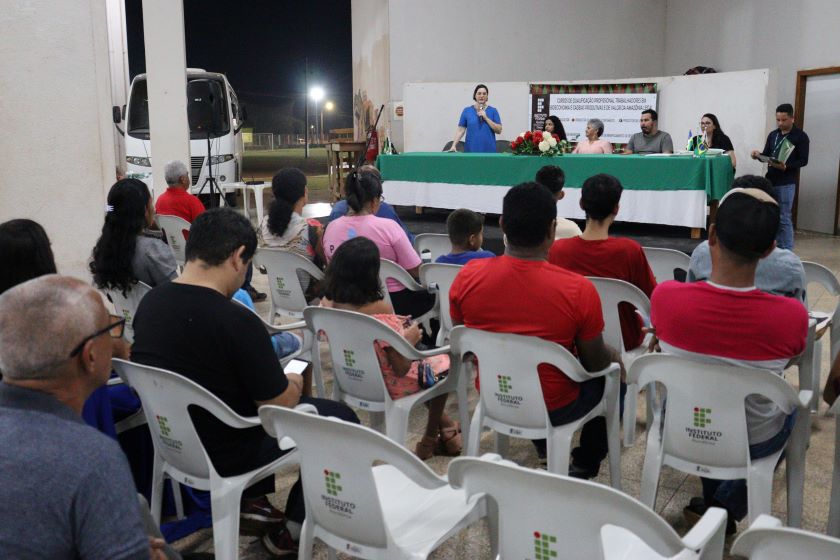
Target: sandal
425,448
450,440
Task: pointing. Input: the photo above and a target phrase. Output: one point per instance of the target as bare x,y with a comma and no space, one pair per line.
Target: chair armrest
805,398
274,329
712,522
612,369
433,352
765,521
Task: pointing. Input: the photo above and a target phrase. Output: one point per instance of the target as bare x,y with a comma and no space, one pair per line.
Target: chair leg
558,449
462,391
760,489
815,376
475,431
630,414
652,466
795,459
158,479
611,414
179,501
224,503
307,541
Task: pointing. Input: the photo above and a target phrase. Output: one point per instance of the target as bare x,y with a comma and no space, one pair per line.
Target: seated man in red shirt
521,293
177,200
595,253
727,320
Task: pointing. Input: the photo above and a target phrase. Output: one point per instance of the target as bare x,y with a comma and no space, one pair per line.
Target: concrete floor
675,488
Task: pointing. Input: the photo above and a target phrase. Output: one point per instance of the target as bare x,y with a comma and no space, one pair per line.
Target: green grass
264,163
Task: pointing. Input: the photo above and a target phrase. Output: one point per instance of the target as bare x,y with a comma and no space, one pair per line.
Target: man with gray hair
65,489
177,200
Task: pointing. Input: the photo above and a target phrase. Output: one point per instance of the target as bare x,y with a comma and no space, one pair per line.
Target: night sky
262,46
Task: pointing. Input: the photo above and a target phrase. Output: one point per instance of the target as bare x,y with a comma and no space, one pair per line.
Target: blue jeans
784,194
732,494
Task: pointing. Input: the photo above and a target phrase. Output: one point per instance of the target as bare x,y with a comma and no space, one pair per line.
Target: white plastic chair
535,514
766,539
834,504
179,453
390,269
358,377
704,432
818,274
438,278
287,293
663,262
400,509
612,293
511,399
433,244
173,229
126,305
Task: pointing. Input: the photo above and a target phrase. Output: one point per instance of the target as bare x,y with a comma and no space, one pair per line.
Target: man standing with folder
785,151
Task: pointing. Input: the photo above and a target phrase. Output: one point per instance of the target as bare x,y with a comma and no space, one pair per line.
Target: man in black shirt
782,174
191,326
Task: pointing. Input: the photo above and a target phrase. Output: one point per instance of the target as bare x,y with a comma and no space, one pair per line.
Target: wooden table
342,157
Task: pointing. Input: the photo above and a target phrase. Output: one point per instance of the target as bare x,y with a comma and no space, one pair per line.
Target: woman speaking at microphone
481,122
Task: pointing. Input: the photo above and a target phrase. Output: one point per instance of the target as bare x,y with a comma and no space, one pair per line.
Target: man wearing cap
768,332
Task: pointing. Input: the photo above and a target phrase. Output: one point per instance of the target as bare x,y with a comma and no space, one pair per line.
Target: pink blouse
596,147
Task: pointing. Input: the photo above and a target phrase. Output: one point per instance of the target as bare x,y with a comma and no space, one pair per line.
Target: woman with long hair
25,253
123,255
554,126
712,136
351,282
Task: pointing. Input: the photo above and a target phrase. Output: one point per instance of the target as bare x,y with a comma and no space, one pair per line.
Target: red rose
538,136
528,135
556,137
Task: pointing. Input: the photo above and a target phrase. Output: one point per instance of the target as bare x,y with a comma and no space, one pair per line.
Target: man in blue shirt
481,122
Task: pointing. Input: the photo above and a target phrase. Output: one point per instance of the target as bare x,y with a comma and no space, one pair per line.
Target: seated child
466,233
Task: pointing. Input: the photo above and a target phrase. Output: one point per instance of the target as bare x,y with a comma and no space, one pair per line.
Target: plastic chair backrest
612,292
166,397
766,539
355,364
174,229
336,463
282,267
126,305
819,274
391,270
510,386
540,513
436,244
705,428
663,262
441,277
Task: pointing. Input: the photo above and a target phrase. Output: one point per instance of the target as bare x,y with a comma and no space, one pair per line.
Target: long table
672,190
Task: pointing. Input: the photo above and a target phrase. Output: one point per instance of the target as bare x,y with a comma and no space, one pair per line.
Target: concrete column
163,32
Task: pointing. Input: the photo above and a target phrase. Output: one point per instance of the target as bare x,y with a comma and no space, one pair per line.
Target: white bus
221,118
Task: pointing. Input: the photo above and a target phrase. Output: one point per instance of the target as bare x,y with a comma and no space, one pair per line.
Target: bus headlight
141,161
220,159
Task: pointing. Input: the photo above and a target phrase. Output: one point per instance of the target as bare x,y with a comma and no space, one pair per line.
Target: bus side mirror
116,114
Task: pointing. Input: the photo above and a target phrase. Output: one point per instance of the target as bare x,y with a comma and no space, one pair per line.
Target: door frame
799,118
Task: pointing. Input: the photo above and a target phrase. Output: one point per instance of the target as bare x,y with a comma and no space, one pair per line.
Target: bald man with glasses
65,489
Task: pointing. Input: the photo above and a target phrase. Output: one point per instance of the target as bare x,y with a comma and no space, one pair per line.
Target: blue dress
480,137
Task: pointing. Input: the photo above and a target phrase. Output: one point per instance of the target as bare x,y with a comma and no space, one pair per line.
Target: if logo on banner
504,384
544,546
702,417
331,479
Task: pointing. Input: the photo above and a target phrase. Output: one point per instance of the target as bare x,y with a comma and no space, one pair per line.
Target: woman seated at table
593,143
554,126
481,122
712,136
364,195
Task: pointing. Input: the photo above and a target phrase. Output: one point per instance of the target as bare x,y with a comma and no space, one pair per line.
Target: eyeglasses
115,329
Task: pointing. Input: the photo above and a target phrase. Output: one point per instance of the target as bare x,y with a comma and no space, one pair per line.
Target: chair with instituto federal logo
399,509
174,229
389,270
433,245
665,262
126,303
543,516
511,399
438,278
357,375
286,271
767,539
704,430
179,453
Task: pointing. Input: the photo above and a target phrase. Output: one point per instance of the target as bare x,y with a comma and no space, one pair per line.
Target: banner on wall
619,106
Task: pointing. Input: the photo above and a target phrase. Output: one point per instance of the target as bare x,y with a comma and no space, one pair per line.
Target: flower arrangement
538,144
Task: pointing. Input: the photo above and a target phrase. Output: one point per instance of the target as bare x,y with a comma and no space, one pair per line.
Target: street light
329,106
317,94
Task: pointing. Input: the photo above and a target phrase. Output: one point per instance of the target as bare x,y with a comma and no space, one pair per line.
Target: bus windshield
216,114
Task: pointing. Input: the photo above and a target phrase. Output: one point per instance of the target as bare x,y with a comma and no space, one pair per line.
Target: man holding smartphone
785,151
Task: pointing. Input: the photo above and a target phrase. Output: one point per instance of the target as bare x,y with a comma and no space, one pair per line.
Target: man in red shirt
521,293
595,253
177,200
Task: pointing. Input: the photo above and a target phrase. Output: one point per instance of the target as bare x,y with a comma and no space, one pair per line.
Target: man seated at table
521,293
553,178
727,320
780,273
341,208
595,253
190,326
650,140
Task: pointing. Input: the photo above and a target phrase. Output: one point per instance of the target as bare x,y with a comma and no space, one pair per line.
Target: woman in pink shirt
593,143
364,194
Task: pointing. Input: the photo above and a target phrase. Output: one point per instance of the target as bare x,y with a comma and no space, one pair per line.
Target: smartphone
295,366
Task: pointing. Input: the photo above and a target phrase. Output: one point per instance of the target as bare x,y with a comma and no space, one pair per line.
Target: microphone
480,118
